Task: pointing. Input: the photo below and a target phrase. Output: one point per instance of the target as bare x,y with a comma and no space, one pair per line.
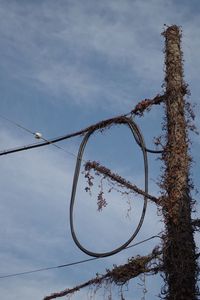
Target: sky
66,65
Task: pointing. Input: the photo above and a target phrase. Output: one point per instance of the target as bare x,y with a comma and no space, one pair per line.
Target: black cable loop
62,138
147,149
140,141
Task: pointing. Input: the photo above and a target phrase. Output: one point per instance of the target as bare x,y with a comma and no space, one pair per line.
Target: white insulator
38,135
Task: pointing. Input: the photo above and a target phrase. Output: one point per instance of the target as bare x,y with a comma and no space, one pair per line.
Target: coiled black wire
68,136
140,141
147,149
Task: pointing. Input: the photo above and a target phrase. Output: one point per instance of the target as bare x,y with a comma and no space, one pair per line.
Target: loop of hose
140,141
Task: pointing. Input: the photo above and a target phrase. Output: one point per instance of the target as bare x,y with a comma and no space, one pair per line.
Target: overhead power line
17,124
100,125
72,263
34,134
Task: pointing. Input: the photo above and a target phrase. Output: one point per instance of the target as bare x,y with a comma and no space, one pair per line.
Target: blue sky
66,65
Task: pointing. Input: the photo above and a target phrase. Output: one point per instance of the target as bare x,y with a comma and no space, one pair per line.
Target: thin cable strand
73,263
140,107
33,133
140,140
17,124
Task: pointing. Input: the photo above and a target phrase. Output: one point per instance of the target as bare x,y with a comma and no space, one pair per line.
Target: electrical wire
147,149
138,137
63,137
59,147
72,263
88,131
33,133
17,124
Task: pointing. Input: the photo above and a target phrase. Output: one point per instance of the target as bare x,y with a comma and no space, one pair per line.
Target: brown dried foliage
119,275
139,109
179,263
117,179
178,253
146,104
196,224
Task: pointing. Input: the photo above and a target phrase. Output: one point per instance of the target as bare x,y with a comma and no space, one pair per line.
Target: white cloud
69,48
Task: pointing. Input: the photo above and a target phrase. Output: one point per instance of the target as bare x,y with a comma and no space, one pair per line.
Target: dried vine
120,275
179,260
196,224
115,178
146,104
139,109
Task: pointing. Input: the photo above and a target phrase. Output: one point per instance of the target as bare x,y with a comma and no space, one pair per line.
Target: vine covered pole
180,267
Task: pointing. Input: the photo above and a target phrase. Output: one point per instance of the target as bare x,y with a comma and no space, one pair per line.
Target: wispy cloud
87,52
92,55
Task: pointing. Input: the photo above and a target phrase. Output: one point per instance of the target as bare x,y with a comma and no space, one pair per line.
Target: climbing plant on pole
176,257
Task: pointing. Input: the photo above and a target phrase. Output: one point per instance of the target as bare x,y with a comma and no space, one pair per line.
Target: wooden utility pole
179,259
176,259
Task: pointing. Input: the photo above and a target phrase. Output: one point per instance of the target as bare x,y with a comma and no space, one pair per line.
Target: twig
196,223
107,172
146,104
119,275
